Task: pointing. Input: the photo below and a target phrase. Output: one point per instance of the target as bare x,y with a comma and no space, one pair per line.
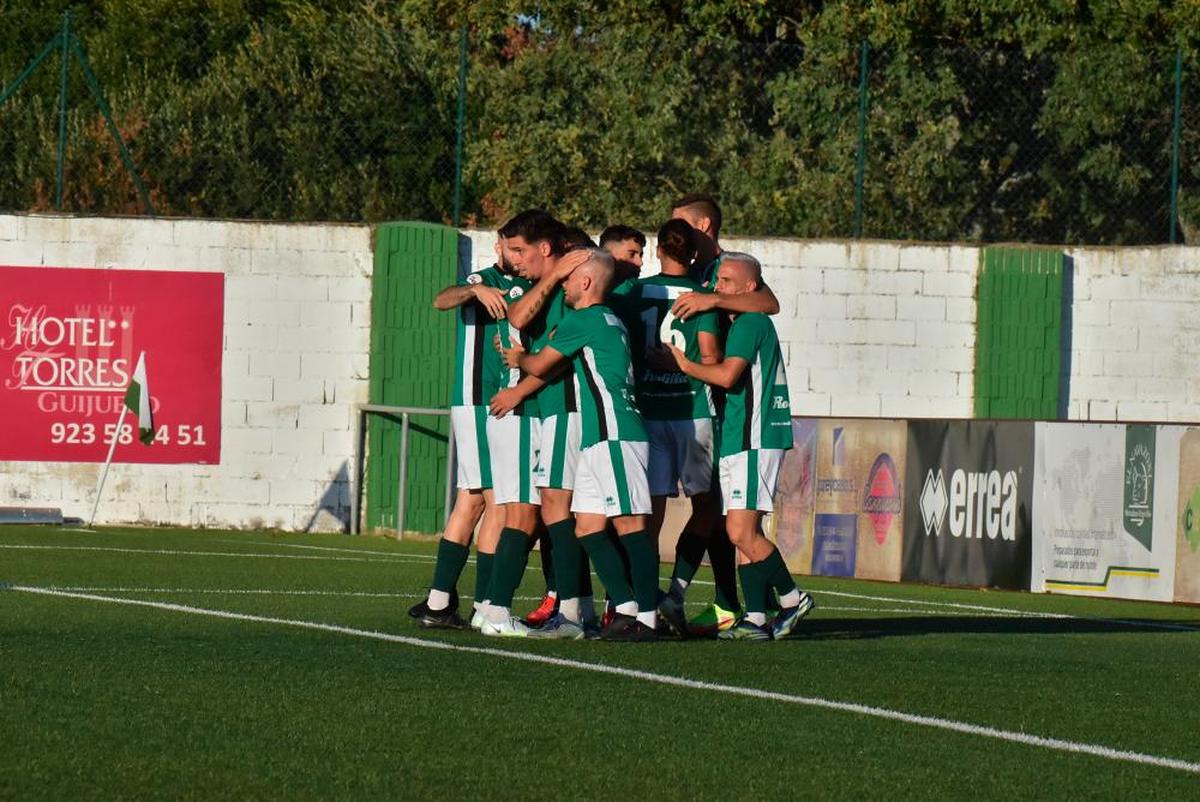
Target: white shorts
558,459
748,479
513,442
611,479
681,452
469,424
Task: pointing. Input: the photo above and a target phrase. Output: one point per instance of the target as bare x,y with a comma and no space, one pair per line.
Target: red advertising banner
69,342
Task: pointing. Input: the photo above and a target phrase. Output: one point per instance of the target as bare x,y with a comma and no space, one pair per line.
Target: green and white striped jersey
646,312
758,411
480,370
557,396
510,334
595,340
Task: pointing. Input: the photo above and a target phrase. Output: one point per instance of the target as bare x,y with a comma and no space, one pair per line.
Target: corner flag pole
104,474
138,392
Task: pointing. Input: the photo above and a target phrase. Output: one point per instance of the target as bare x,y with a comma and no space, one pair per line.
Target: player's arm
710,348
544,364
507,399
692,303
722,374
531,303
454,296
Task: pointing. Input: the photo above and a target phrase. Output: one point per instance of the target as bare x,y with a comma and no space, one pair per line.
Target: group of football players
586,394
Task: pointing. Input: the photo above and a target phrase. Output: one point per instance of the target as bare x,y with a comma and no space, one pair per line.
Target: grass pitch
219,665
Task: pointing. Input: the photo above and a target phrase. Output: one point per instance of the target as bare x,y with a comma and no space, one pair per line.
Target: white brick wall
1136,334
297,336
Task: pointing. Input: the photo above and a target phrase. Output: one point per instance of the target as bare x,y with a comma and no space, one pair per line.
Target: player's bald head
739,272
747,266
601,267
589,282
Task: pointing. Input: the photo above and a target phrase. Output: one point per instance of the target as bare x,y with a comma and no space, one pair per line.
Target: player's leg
591,524
486,540
664,469
558,464
514,440
621,470
752,477
474,474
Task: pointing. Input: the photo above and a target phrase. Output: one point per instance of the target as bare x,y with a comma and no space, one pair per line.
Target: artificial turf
102,700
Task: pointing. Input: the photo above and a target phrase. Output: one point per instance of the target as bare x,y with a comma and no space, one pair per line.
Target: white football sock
569,609
438,600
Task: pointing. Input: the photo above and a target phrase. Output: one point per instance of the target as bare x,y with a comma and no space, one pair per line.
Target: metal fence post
1175,143
401,501
62,110
860,167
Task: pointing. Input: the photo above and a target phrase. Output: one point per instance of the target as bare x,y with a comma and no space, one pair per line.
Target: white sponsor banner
1106,498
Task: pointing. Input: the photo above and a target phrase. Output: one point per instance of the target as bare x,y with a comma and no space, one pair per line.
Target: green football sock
451,557
689,553
723,557
754,586
507,570
778,574
643,568
608,565
549,553
567,556
483,574
585,575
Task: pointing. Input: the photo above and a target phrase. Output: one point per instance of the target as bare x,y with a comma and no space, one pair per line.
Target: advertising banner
791,525
859,521
969,489
69,342
1187,541
1107,496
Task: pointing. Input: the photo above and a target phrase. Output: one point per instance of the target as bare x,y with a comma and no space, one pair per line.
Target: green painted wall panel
412,364
1019,333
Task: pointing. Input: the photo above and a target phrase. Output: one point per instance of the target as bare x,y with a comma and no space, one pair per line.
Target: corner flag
137,400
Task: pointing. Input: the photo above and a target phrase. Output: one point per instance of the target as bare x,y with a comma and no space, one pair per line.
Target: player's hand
660,359
693,303
512,355
504,402
566,265
492,299
679,357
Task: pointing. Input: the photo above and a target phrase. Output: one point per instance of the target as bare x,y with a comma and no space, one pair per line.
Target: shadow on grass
859,628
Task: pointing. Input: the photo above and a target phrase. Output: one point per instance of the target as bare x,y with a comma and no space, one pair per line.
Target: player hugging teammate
586,395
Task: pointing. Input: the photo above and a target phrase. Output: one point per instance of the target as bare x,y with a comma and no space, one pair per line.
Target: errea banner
1108,503
968,497
69,341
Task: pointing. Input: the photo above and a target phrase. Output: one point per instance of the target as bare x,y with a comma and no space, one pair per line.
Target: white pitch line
256,592
393,555
1056,744
189,553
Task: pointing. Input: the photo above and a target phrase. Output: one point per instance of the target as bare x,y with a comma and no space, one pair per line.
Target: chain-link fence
348,117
